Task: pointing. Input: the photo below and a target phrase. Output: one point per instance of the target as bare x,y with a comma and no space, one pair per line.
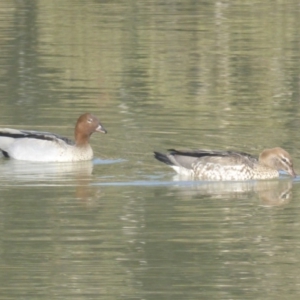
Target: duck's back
216,165
40,146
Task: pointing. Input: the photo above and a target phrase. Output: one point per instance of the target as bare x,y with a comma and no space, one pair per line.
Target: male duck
49,147
228,165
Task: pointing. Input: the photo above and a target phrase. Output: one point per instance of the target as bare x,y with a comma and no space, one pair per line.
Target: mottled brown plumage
228,165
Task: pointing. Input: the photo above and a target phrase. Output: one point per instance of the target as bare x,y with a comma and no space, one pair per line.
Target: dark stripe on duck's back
5,154
39,136
222,157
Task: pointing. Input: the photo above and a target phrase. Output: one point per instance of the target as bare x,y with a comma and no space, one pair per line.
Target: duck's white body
48,147
41,146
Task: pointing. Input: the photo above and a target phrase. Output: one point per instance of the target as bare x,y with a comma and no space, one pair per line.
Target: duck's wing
8,134
189,158
32,145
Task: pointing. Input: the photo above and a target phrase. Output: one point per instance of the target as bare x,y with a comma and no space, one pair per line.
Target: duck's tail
163,158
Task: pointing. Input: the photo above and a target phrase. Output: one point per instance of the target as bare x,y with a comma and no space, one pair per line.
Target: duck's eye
89,120
286,161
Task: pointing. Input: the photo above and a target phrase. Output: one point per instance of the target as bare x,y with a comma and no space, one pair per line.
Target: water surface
159,75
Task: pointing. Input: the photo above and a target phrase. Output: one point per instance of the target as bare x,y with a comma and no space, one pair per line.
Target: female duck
228,165
49,147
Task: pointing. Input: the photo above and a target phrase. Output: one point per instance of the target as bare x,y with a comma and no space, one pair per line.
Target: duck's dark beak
292,172
101,129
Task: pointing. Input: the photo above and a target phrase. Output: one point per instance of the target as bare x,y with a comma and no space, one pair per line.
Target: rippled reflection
273,192
159,74
33,173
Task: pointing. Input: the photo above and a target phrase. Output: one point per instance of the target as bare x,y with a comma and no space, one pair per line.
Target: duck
38,146
228,165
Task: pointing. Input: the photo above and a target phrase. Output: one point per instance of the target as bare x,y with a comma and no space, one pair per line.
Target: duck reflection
269,192
36,171
78,174
275,193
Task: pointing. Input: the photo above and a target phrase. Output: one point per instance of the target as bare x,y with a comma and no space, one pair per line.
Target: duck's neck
264,159
82,140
